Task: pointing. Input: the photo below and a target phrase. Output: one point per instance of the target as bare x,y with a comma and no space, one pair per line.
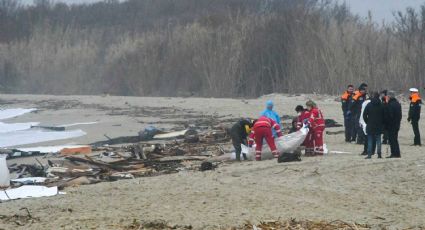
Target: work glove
306,123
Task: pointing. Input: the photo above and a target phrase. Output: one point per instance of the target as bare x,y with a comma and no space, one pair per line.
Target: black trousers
353,131
415,126
237,141
348,128
393,139
361,137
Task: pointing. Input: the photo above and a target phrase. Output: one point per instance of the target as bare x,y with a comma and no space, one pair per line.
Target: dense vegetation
220,48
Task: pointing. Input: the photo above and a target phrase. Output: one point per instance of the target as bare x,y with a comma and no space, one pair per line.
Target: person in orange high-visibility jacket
415,114
355,109
262,129
346,99
314,143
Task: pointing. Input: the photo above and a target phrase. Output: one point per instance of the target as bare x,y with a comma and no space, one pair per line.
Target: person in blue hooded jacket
268,112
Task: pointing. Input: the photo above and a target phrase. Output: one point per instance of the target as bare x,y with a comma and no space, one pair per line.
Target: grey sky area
381,9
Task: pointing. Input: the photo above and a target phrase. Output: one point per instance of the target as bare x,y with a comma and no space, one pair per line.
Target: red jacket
316,118
304,115
264,121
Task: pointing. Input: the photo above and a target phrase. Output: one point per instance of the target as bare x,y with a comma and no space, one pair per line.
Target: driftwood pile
108,163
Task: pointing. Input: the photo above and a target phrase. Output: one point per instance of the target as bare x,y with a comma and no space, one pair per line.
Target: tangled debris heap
108,163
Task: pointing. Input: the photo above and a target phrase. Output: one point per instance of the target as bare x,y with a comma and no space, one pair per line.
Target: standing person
345,102
363,125
415,114
262,129
393,120
385,100
356,108
374,118
314,143
239,133
268,112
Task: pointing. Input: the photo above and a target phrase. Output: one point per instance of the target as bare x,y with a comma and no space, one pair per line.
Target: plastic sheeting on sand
287,143
10,113
28,191
35,136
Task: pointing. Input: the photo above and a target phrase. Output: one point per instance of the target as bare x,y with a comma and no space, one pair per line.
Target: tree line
218,48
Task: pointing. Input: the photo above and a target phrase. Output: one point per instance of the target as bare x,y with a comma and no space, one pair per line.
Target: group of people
268,127
368,116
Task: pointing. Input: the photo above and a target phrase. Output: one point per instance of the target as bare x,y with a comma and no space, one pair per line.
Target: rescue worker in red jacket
314,143
262,129
302,115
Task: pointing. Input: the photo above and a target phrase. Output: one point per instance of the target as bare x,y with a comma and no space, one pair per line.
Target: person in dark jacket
385,99
355,108
374,118
393,120
345,102
415,114
239,133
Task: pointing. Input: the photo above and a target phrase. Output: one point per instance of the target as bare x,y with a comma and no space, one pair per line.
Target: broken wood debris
109,163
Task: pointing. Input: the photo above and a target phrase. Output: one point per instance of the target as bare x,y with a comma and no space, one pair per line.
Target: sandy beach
379,192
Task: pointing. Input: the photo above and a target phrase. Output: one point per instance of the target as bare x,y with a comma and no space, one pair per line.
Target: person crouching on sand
239,133
262,129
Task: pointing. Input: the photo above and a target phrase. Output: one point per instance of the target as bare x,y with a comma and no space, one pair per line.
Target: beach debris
28,191
171,135
77,165
148,133
54,128
76,150
335,132
19,219
289,157
4,172
29,180
303,224
205,166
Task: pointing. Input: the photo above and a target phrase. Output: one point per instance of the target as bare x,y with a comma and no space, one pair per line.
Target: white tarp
10,113
28,191
35,136
287,143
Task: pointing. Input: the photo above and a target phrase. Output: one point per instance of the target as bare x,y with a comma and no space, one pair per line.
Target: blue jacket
272,115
